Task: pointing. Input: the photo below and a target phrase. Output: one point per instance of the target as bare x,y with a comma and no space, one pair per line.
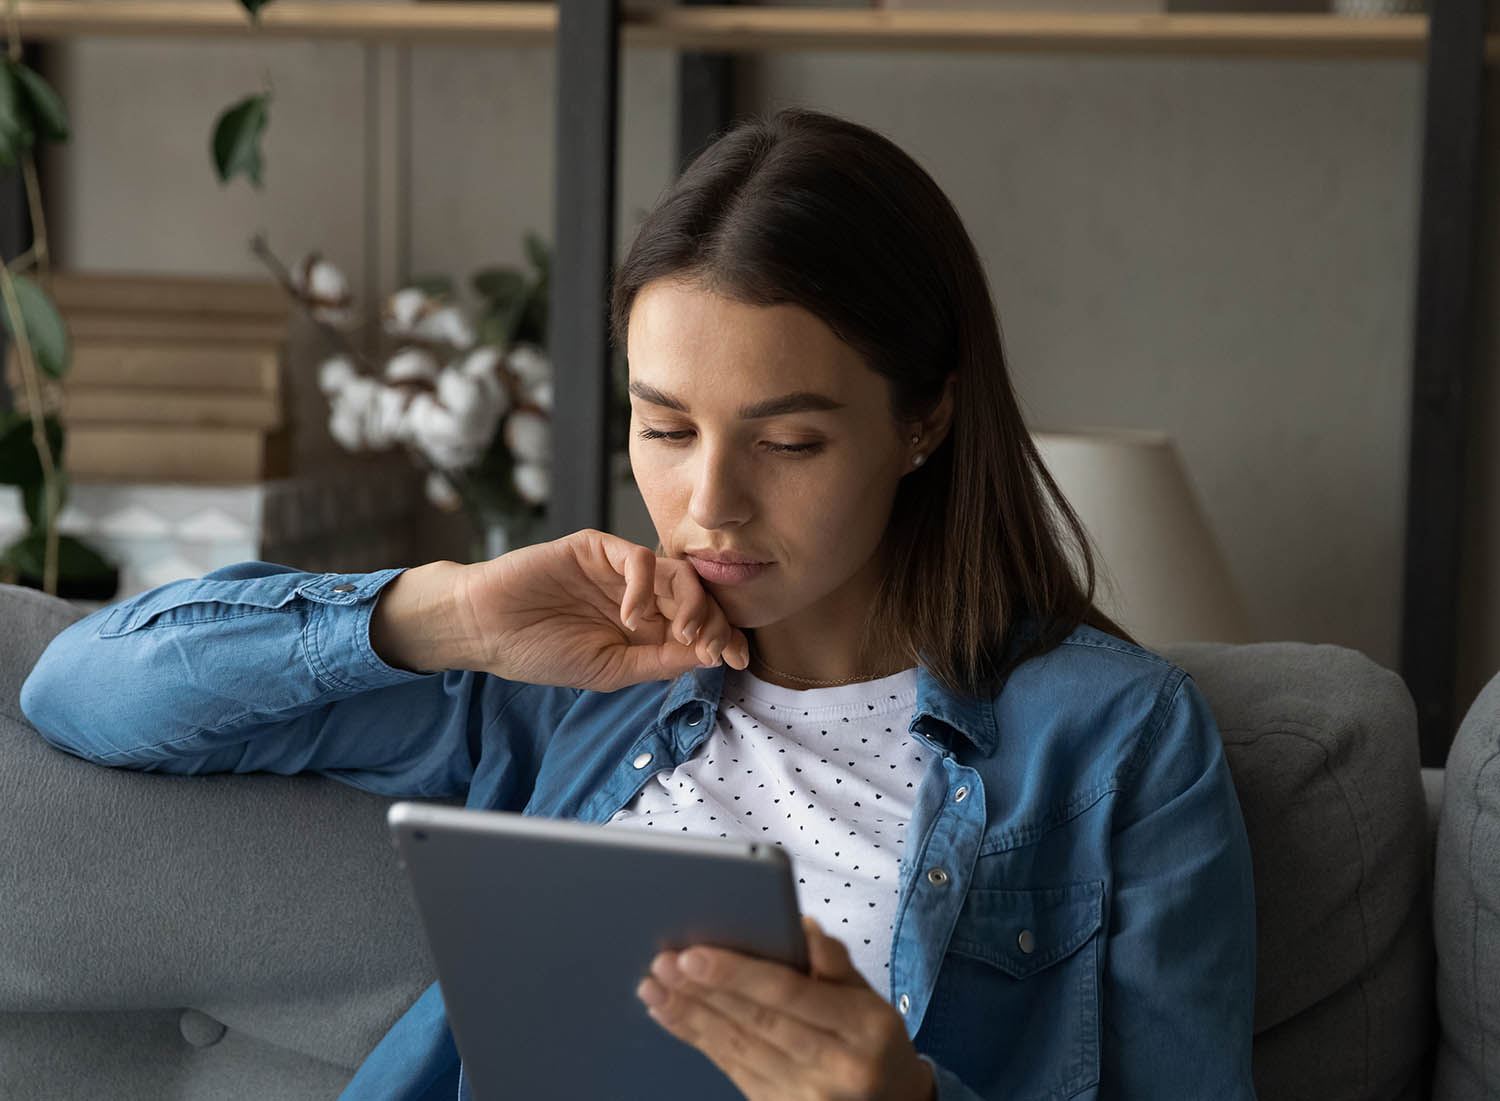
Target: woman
869,605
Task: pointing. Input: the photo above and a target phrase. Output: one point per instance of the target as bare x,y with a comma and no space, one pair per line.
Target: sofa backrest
1322,743
168,936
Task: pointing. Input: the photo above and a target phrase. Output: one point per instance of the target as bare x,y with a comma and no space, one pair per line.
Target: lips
727,573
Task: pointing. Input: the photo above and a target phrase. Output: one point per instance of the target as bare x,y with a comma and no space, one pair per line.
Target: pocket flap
1022,932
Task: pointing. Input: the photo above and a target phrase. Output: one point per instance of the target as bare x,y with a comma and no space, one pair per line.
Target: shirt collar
698,692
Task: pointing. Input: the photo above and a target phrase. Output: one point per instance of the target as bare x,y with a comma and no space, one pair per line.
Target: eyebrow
803,401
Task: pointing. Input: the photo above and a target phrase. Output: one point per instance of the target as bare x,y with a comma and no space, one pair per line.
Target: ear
934,427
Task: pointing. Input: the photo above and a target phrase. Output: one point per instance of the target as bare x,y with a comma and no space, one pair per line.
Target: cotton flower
386,418
539,394
447,324
323,288
529,363
533,482
439,435
403,308
529,436
411,365
349,417
334,373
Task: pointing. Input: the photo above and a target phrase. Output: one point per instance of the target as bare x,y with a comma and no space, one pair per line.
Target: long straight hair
803,207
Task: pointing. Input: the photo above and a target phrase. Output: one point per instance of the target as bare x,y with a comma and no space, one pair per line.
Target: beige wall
1221,248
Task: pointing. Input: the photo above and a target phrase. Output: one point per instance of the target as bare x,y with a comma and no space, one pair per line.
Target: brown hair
808,208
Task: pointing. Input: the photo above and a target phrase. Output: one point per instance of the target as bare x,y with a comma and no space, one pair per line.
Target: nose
721,490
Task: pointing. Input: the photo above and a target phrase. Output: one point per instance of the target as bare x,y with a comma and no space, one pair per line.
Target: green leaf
237,135
45,331
15,125
253,7
501,286
433,286
34,500
75,560
49,118
19,462
536,250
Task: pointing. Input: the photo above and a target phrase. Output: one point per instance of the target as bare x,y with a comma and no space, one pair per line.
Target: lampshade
1162,577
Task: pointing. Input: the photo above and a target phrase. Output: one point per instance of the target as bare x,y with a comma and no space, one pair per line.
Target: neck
791,662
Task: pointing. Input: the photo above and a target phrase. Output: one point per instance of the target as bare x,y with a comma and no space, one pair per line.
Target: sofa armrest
274,904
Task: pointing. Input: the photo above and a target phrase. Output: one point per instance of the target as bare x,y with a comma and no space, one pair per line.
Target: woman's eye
783,448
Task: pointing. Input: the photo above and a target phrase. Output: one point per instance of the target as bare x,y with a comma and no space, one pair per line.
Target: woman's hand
589,610
779,1034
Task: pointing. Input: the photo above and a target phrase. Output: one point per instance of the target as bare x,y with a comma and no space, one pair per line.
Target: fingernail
650,993
694,963
664,967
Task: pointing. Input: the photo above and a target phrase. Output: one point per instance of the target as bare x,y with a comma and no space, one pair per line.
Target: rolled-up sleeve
259,667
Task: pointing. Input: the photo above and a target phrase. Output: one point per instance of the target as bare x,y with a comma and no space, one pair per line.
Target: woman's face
805,484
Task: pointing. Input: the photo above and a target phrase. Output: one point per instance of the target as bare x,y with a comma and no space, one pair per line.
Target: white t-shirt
829,774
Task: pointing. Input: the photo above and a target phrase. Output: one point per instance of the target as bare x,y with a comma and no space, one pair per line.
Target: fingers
829,956
640,583
811,1003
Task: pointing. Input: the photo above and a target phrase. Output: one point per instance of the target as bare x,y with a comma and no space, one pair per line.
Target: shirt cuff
337,631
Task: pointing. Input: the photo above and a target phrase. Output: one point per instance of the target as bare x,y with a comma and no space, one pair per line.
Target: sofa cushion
140,914
1466,908
1322,744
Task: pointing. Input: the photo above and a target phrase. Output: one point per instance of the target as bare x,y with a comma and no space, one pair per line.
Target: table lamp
1161,575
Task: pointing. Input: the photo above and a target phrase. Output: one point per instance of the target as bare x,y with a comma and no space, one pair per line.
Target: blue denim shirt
1094,934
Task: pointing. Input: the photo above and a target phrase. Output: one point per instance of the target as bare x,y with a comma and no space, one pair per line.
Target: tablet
541,929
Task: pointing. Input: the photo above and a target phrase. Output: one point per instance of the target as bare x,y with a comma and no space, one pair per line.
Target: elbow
53,699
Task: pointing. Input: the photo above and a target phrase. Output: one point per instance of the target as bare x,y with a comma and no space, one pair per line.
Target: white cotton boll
403,308
540,394
441,493
334,373
438,434
411,365
533,482
446,324
385,419
460,393
482,361
346,424
529,363
529,436
326,283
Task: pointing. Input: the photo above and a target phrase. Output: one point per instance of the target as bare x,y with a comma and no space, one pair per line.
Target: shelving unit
588,35
730,29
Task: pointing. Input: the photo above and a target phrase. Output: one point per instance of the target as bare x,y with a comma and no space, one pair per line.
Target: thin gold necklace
809,680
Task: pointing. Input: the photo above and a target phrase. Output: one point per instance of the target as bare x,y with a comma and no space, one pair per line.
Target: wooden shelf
751,30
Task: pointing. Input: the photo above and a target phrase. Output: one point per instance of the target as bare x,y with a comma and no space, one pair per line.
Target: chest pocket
1016,1008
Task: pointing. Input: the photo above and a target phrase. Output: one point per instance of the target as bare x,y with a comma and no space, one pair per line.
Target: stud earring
917,459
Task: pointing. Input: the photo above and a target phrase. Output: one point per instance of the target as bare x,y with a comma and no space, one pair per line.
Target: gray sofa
251,936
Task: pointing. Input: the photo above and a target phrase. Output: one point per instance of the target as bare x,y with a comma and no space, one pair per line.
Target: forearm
415,624
186,669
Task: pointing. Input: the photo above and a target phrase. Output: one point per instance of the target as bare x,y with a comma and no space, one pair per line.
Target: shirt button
1026,942
904,1004
960,794
695,722
642,761
343,588
937,876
